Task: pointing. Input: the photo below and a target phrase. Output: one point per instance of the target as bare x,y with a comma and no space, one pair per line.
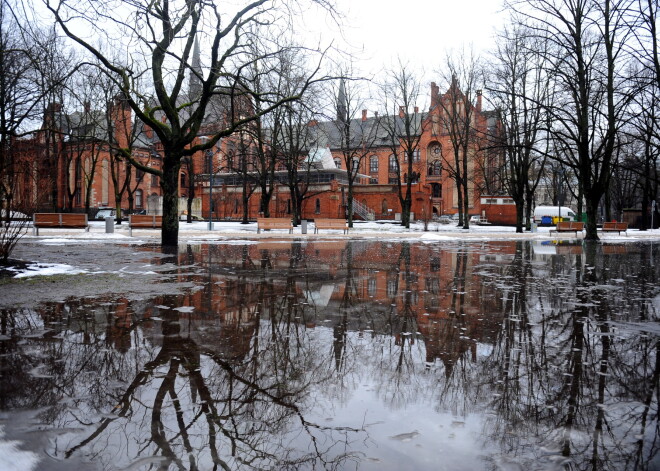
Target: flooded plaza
335,354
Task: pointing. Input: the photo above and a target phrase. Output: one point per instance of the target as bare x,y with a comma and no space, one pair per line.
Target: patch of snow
14,459
48,269
185,308
430,237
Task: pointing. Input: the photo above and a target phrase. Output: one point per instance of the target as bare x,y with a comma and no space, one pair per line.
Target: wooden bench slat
274,223
144,221
568,226
339,224
59,220
615,227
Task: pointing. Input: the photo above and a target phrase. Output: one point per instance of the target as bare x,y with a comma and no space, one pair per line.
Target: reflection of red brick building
437,293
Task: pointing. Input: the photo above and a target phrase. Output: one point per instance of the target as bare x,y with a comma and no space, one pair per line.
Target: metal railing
363,211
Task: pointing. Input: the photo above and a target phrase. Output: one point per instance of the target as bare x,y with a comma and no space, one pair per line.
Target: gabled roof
372,132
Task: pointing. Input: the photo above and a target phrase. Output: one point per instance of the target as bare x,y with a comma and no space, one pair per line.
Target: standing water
340,355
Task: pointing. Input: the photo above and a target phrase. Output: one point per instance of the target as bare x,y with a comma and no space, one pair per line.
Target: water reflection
369,355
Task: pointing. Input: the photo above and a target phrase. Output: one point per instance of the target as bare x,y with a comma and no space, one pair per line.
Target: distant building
72,164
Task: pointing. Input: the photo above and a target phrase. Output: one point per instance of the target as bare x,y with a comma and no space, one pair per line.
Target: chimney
479,92
87,106
416,109
435,93
148,132
402,113
312,123
364,115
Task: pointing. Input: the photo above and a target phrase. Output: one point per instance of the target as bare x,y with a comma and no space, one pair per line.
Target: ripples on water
350,355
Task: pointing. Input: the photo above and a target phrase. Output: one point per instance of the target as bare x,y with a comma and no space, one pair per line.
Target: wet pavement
334,354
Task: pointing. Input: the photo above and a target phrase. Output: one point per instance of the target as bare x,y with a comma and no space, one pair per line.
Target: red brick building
71,166
375,190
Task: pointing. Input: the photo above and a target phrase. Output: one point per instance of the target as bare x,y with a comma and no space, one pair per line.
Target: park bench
59,221
144,221
339,224
615,227
568,226
274,223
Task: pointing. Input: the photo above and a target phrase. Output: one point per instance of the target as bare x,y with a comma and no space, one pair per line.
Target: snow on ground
222,231
14,459
46,269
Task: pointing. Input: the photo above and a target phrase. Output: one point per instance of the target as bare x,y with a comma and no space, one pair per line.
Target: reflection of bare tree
239,407
241,375
560,370
399,356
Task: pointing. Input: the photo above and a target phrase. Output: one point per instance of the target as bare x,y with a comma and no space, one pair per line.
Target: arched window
183,180
436,188
384,206
317,208
435,168
373,164
393,163
138,199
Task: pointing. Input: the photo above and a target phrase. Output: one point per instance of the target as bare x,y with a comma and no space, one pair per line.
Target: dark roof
372,132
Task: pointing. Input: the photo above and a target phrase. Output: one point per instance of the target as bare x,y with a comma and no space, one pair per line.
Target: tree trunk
349,204
169,185
608,206
459,194
646,190
266,196
592,208
529,200
519,216
466,196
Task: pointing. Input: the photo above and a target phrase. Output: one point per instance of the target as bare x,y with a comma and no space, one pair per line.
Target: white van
553,211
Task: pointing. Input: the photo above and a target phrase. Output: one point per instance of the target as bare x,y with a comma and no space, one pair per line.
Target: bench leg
35,230
130,231
258,230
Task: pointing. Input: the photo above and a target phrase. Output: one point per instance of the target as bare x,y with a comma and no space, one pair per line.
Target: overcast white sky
419,31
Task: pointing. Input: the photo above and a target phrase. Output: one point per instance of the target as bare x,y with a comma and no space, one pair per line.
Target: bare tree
588,60
458,117
296,152
164,33
643,161
520,87
32,67
403,130
354,135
